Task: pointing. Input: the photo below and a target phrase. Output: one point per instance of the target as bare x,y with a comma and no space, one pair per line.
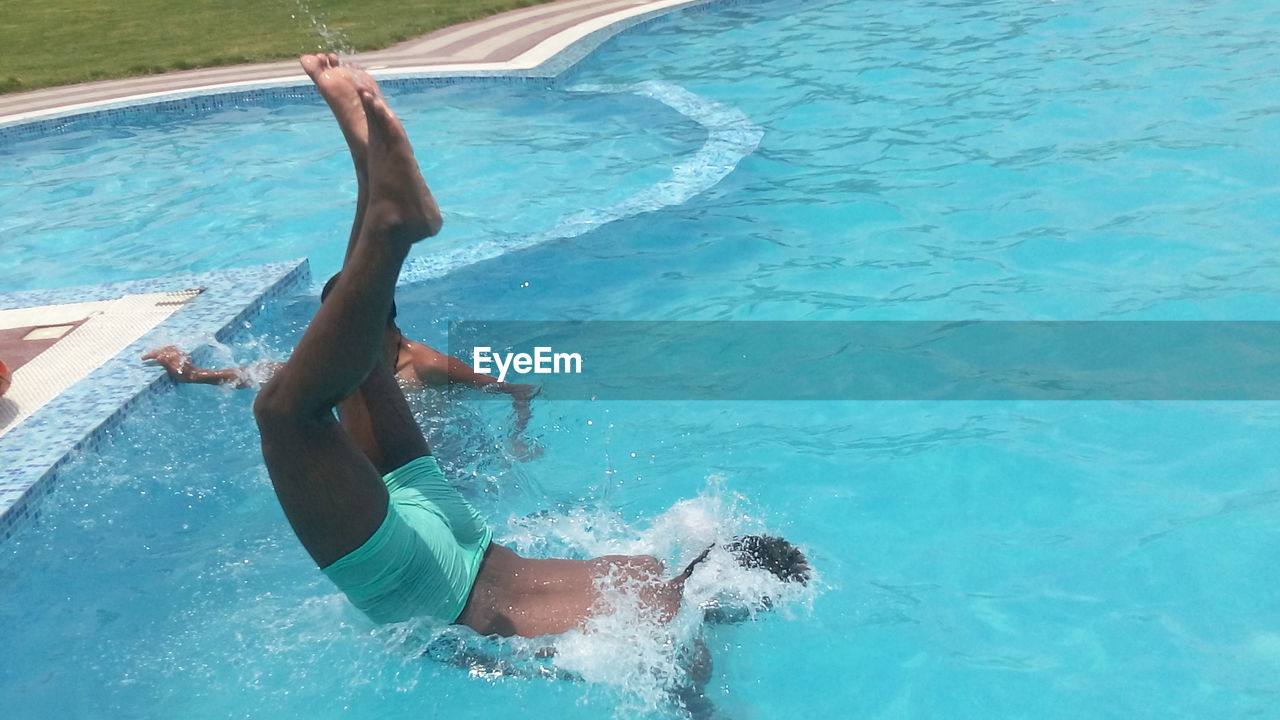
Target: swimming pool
1003,160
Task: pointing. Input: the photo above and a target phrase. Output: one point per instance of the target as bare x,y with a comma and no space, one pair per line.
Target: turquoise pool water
173,193
919,160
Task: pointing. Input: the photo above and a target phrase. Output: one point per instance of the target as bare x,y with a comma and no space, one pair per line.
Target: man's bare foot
338,86
399,202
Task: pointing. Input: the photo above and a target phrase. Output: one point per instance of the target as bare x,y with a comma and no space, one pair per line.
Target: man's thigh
331,493
378,420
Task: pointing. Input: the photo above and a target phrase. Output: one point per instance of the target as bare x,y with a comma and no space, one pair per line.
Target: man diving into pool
362,492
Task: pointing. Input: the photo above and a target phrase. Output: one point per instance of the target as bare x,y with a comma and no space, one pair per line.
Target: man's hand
520,396
524,450
174,360
521,393
177,363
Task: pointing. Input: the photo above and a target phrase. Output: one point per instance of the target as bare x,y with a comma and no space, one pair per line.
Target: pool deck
52,347
515,40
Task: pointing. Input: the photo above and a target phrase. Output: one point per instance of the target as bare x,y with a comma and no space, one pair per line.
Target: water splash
641,665
334,40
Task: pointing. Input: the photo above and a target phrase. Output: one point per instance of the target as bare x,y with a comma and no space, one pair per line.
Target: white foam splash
731,136
641,664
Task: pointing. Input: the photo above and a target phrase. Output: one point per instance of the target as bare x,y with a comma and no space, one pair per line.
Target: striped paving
518,39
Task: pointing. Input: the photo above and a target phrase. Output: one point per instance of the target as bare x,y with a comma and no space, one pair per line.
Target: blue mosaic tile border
268,94
32,453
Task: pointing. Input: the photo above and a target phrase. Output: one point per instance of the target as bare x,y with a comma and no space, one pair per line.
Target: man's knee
274,409
268,410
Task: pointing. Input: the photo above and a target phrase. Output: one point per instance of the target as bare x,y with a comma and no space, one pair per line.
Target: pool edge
78,419
550,59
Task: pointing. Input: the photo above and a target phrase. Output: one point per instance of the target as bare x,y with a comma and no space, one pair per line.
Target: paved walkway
518,39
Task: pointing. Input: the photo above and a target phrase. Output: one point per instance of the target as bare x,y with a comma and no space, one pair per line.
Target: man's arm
521,394
178,364
435,368
692,695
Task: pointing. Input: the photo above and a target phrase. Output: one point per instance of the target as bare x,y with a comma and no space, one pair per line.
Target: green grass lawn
58,42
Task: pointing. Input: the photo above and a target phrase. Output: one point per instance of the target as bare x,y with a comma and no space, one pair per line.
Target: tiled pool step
101,330
33,450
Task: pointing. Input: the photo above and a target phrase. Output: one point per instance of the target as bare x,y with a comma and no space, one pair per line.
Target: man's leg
378,420
337,85
376,416
331,493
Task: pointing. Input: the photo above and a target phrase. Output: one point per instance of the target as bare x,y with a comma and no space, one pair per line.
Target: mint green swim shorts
424,557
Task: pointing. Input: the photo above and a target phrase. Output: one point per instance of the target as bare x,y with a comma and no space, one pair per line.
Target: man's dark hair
766,552
774,554
328,287
782,559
